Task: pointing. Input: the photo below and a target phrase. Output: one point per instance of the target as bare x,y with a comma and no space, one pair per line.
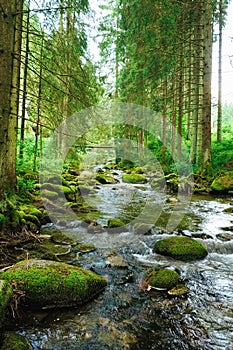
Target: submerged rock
180,289
54,284
181,248
116,261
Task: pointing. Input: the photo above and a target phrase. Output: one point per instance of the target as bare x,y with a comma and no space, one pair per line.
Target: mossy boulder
48,189
134,178
105,179
53,284
112,223
162,278
181,248
6,293
223,183
15,341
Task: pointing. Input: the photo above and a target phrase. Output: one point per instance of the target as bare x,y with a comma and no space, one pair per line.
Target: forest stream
125,316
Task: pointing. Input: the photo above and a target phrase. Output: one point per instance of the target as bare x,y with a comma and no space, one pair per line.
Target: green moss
57,188
6,293
138,170
228,210
85,248
223,183
162,278
49,194
134,178
115,223
54,283
181,248
105,179
15,341
3,220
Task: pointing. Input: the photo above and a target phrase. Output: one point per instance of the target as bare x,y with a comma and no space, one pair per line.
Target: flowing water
125,316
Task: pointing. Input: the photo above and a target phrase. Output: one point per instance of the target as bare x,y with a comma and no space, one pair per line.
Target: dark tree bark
7,129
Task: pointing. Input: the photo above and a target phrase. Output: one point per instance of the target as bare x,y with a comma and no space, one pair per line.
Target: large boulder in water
53,284
181,248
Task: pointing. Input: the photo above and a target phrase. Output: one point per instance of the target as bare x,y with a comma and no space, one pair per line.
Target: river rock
162,279
181,248
223,183
116,261
106,179
54,284
134,178
113,223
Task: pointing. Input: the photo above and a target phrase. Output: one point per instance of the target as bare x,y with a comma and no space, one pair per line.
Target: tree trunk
15,88
207,69
219,125
22,131
7,129
37,131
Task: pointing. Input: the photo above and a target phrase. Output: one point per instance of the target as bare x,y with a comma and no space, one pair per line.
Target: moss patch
162,278
3,220
105,179
134,178
15,341
6,293
50,283
181,248
115,223
223,183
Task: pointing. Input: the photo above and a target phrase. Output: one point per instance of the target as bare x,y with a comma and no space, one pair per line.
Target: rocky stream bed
127,314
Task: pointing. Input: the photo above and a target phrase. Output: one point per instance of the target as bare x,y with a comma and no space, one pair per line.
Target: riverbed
125,315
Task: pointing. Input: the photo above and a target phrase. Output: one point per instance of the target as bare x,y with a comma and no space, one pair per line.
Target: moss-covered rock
54,284
223,183
181,248
228,210
105,179
6,293
85,248
138,170
112,223
162,278
15,341
134,178
47,194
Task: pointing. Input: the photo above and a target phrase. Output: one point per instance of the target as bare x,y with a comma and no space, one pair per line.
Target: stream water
125,316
